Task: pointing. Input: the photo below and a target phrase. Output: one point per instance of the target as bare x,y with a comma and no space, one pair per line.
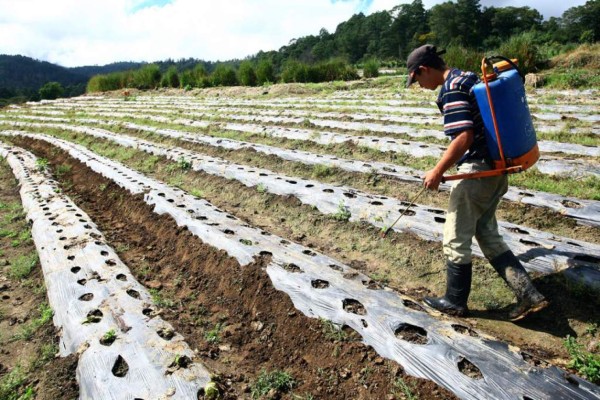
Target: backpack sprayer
509,132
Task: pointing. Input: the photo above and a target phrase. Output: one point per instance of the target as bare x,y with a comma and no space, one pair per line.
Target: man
473,202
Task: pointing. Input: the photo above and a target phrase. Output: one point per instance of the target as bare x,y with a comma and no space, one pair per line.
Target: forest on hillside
465,28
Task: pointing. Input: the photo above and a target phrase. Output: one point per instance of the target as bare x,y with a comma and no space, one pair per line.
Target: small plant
342,214
22,266
246,242
261,188
278,380
213,335
587,364
109,337
400,387
184,164
332,331
321,171
63,169
41,164
160,300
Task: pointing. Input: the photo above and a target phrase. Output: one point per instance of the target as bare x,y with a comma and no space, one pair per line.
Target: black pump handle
488,61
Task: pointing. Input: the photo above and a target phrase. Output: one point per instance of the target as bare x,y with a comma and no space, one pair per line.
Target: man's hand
432,179
458,147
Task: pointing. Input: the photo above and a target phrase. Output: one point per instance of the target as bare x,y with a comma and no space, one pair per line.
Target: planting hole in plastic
464,330
411,333
354,307
412,305
120,368
319,284
133,293
469,369
292,268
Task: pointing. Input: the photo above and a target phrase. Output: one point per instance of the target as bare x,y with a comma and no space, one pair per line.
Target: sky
98,32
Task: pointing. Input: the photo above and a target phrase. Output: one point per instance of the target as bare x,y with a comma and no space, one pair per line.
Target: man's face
425,77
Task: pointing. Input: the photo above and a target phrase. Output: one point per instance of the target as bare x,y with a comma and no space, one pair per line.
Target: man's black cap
424,55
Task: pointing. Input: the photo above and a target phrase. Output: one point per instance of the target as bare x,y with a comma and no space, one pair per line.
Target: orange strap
483,174
493,111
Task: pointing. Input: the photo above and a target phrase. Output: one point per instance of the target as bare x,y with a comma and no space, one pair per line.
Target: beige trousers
472,213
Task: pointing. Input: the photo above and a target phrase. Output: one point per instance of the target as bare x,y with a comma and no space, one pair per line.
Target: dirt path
233,316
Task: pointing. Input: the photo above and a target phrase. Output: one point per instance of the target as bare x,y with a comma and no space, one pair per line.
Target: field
228,239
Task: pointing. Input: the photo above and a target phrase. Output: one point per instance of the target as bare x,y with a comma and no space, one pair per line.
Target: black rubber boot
529,299
458,287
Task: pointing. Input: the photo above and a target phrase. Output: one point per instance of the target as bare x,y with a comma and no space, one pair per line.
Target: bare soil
258,327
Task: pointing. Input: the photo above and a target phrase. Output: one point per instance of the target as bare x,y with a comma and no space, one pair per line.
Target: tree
51,91
246,74
410,22
224,75
171,78
468,13
577,20
444,23
265,72
148,77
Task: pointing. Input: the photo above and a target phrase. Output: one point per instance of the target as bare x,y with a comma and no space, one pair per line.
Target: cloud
74,32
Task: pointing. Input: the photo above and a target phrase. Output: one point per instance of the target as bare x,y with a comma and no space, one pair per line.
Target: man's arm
458,147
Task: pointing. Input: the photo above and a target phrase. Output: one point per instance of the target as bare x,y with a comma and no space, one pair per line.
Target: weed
592,329
333,331
246,242
213,335
197,192
400,387
342,213
261,188
22,266
11,383
41,164
184,164
29,330
279,380
62,170
47,353
321,171
586,363
121,248
160,300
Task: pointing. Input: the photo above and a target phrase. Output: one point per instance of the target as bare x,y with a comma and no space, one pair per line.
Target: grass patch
21,266
281,381
333,331
12,385
585,363
585,188
45,315
160,300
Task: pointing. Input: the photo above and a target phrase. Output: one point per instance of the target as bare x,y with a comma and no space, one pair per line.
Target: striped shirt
457,103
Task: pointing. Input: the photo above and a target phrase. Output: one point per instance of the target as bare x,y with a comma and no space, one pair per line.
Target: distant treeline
465,29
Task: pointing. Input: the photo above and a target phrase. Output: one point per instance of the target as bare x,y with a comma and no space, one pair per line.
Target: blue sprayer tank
515,126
